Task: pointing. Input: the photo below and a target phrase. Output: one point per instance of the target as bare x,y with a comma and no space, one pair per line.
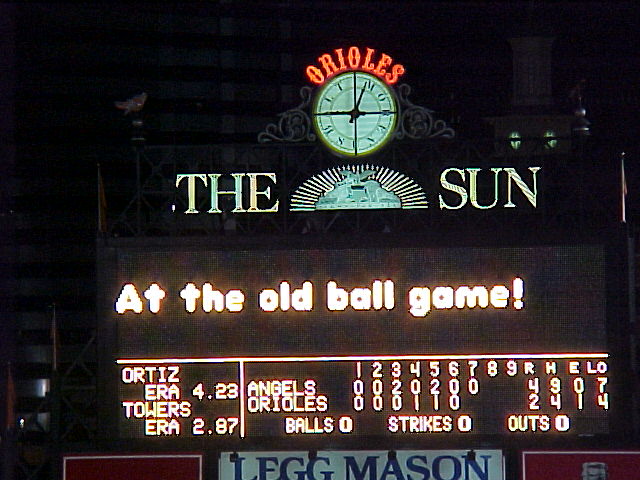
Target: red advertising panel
580,465
132,467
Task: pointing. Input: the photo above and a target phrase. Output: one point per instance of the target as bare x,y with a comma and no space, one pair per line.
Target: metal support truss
566,197
65,420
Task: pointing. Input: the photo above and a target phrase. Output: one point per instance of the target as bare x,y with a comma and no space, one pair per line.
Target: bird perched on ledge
134,104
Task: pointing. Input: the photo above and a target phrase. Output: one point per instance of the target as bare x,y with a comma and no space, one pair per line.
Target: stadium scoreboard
331,342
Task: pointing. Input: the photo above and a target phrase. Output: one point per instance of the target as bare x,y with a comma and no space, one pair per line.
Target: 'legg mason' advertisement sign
363,465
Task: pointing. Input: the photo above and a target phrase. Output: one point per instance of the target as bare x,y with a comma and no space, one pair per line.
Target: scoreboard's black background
564,302
574,301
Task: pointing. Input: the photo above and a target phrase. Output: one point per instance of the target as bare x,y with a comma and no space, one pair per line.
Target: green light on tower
515,140
550,139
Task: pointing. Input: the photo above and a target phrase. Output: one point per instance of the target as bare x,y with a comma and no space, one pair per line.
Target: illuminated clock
355,113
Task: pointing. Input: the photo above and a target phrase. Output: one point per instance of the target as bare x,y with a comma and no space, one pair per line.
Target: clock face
355,113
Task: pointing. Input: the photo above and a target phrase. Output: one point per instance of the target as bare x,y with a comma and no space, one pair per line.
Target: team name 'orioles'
330,64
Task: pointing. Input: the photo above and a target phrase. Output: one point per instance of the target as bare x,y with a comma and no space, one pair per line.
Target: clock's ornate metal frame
418,122
294,125
414,121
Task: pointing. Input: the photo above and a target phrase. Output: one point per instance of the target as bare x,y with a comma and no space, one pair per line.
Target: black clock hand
360,97
359,113
378,112
356,112
335,113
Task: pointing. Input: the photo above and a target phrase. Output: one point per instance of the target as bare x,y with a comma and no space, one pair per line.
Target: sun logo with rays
358,187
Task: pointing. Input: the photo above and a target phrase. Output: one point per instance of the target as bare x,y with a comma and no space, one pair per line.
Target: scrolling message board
373,341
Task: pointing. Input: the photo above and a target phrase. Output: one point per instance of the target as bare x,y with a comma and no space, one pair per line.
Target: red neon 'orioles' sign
354,60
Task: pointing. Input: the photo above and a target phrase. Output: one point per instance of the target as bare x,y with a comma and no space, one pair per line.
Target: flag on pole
54,339
623,191
10,413
102,204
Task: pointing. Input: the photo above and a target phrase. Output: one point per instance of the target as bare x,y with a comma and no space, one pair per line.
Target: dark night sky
74,61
